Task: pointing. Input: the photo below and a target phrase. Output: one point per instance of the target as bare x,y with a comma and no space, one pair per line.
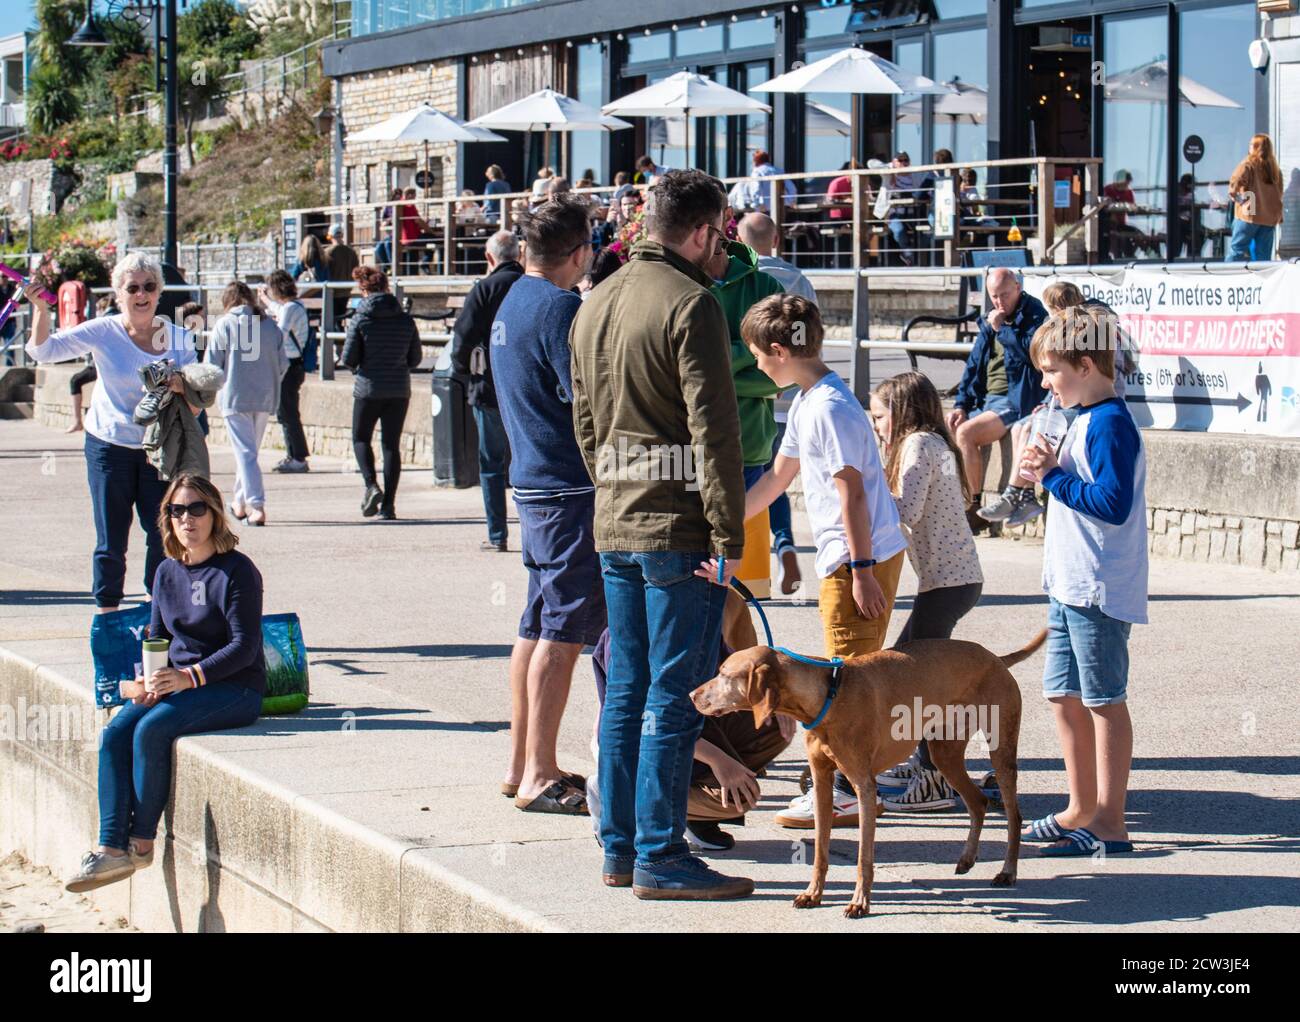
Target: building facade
1130,81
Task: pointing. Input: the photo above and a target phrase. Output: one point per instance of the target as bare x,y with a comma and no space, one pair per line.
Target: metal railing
885,216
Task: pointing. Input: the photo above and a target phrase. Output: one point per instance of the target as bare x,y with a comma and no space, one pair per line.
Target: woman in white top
924,470
247,344
123,485
281,296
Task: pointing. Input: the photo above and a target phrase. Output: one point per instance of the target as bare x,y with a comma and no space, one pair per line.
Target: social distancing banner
1216,351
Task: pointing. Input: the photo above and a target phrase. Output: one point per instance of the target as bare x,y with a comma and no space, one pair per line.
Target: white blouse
931,507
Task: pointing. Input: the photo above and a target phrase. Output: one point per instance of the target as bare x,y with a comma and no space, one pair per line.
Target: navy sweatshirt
530,366
212,613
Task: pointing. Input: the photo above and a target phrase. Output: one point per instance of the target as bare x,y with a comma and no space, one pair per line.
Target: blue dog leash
836,664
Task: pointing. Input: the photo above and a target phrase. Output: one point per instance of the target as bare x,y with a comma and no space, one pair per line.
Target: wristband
866,562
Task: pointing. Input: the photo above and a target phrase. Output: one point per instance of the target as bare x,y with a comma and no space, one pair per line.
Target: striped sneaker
898,776
927,792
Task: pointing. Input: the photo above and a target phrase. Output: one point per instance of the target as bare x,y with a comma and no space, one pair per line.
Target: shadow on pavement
43,597
319,718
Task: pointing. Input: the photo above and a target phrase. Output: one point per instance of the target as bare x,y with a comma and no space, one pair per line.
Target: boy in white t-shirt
828,437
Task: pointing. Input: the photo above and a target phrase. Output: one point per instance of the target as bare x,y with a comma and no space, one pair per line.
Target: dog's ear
762,695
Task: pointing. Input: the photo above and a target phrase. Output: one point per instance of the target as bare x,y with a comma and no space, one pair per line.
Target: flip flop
1084,843
561,798
1046,829
577,780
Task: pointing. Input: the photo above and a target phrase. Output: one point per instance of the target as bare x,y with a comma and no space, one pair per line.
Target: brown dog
872,724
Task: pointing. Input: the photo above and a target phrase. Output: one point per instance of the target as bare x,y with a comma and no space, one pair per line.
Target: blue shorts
1087,655
1002,406
566,593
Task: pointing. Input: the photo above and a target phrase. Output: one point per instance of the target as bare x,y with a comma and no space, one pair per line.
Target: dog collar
836,665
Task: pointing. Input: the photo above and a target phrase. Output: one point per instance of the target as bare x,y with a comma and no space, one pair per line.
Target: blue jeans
122,483
135,754
1251,241
1087,655
493,457
665,625
384,254
898,229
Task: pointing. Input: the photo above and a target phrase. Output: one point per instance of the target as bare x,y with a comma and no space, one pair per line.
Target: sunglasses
196,510
134,289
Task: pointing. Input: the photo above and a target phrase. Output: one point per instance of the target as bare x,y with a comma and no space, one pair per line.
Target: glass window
641,48
826,120
695,40
1134,128
757,126
752,32
584,146
825,21
949,9
909,55
1223,115
962,56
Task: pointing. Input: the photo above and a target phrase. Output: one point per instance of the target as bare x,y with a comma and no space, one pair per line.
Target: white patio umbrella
968,105
547,110
1150,84
425,124
854,71
685,95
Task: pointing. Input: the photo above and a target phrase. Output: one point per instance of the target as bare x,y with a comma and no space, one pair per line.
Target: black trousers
390,413
290,415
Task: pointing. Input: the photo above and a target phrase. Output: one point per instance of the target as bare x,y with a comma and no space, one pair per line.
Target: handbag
115,640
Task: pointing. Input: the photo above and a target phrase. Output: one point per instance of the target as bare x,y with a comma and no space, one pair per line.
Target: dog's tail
1011,659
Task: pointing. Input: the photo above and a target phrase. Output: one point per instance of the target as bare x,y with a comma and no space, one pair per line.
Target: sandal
1083,842
561,797
1046,829
577,780
236,514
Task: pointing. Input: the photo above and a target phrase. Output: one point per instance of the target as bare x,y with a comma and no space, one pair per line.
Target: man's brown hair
791,321
1074,335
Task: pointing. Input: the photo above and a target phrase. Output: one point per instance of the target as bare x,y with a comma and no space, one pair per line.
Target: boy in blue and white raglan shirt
1095,574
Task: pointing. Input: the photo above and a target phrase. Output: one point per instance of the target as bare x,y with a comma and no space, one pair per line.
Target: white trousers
245,430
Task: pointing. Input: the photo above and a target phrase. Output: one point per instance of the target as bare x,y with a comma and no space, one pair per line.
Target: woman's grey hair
136,262
503,247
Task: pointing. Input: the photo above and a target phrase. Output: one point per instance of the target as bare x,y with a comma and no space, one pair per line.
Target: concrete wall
326,414
1226,499
236,850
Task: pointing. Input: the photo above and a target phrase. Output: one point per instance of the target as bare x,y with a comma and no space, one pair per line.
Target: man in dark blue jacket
1000,384
470,355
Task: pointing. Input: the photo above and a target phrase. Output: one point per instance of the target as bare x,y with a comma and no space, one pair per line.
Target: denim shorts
1002,406
566,594
1087,655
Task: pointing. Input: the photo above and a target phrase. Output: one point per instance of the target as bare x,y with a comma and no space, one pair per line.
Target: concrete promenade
377,808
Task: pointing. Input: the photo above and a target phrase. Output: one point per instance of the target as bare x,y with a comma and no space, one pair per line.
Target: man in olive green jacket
654,412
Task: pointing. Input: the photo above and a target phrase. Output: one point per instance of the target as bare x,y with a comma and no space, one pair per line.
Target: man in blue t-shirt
555,498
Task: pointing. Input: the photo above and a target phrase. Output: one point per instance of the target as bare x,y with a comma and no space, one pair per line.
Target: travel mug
155,658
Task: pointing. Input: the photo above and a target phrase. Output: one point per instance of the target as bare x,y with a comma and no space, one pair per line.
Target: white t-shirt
827,431
119,362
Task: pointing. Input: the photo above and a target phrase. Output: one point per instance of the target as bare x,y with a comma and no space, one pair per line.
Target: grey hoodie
249,348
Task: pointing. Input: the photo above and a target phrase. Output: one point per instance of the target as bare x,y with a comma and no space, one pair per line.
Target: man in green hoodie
739,285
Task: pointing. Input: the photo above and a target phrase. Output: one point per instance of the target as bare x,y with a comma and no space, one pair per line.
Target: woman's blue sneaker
687,879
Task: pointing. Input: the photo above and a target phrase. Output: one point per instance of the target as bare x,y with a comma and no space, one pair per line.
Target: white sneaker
929,791
800,813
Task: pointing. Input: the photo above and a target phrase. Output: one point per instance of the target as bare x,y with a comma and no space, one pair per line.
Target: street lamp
162,13
88,34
